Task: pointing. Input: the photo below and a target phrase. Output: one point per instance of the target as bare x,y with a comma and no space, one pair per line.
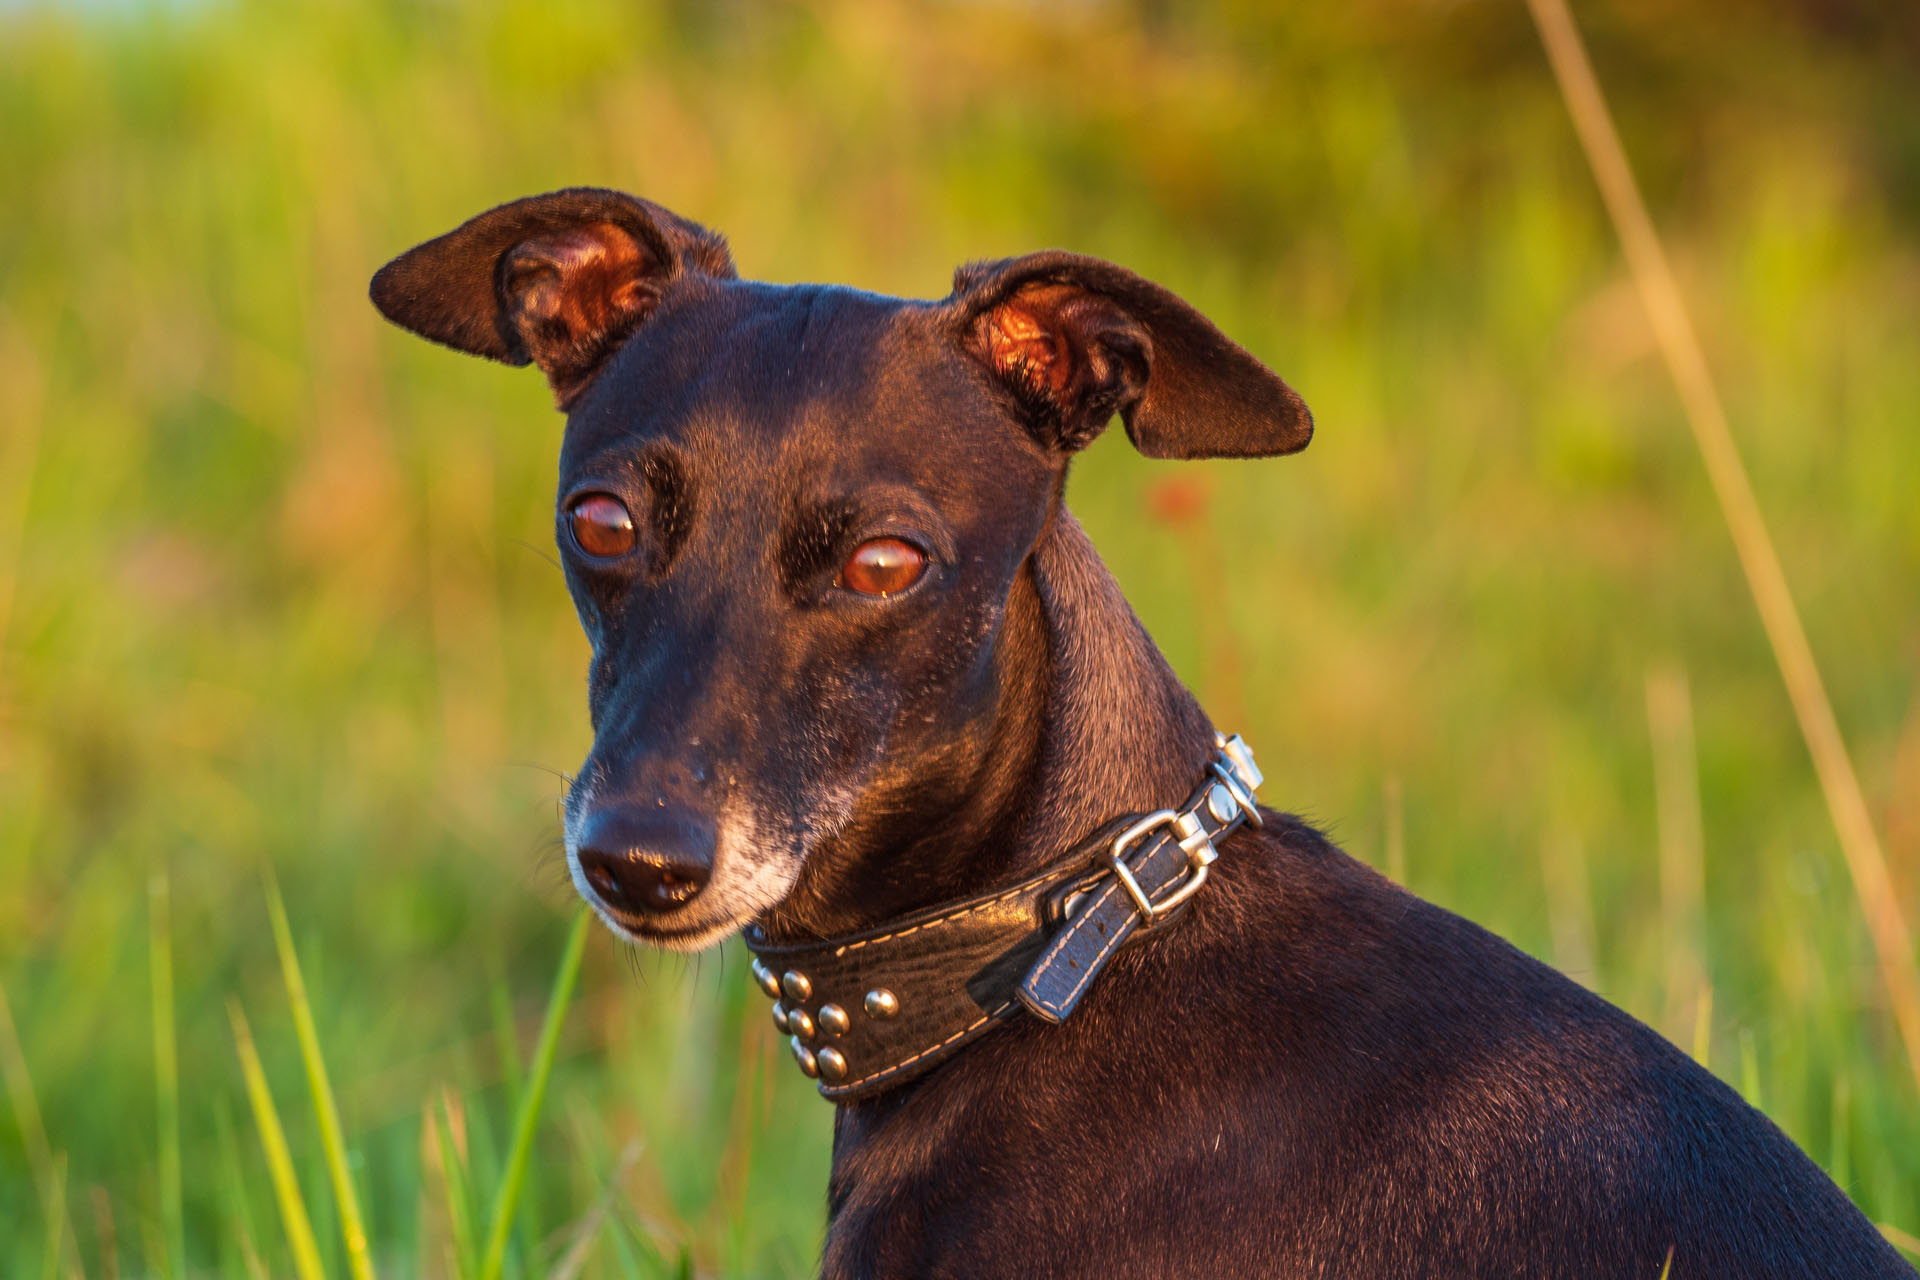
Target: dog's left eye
602,526
882,567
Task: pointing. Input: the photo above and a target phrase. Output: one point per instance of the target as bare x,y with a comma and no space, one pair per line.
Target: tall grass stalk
454,1181
326,1114
239,1217
1683,890
593,1224
56,1218
46,1167
1839,1153
506,1036
166,1071
105,1234
513,1179
25,1104
1750,1068
1703,1027
1396,831
273,1143
1902,1240
1766,580
1570,916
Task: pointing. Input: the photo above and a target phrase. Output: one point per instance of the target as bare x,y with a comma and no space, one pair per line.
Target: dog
862,689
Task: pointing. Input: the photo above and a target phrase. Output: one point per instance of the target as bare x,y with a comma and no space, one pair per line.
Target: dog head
791,517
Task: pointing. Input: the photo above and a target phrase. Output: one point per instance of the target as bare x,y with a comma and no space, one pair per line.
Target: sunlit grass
326,1113
273,1144
527,1115
451,1169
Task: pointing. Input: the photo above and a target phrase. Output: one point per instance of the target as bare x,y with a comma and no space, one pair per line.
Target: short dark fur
1314,1073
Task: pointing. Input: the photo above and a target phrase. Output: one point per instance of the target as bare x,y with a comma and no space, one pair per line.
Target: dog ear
1077,340
558,280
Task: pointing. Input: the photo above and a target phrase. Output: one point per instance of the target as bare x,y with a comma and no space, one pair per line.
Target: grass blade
26,1113
507,1199
1683,885
453,1173
26,1104
623,1251
593,1224
1839,1154
506,1037
56,1219
107,1238
326,1114
166,1070
273,1141
1750,1068
239,1218
1703,1028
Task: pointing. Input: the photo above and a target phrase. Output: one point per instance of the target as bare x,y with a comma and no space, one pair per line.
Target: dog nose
645,861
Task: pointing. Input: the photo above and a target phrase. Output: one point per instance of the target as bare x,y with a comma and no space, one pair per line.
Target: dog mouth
749,878
653,933
694,937
694,926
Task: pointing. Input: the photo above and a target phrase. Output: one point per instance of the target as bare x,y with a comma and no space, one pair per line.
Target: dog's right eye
882,567
602,525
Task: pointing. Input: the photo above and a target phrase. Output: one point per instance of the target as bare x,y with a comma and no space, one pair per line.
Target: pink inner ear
572,292
584,278
1020,345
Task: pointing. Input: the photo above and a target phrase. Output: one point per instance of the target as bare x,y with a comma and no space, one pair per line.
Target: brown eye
601,525
882,567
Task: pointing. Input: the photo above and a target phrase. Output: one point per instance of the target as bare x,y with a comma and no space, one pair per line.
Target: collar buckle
868,1011
1193,840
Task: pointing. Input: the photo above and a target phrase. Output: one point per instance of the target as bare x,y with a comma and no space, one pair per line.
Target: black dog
862,688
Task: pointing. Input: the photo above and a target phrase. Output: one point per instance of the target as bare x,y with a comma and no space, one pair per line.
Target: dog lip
702,933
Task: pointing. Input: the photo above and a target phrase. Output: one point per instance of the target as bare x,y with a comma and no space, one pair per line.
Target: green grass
527,1113
326,1112
273,1146
275,580
166,1073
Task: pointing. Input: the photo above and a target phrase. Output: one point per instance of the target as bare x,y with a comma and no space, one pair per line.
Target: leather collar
872,1010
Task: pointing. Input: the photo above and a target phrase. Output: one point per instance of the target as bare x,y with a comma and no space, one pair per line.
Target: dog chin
690,938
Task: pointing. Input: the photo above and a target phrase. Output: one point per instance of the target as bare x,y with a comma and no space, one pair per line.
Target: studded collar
872,1010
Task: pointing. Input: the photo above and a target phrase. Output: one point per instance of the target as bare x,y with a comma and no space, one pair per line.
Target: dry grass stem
1680,346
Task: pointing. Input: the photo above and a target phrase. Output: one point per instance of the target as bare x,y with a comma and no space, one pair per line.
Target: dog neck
1091,723
1122,734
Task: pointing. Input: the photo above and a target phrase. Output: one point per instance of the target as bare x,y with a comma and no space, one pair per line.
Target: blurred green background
275,582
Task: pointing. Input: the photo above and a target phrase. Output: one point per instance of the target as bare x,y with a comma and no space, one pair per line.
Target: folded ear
558,280
1077,340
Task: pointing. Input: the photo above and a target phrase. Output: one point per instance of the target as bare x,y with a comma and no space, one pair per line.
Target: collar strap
872,1010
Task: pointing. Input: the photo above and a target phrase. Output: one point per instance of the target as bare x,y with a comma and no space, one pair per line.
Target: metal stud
765,977
804,1056
800,1024
833,1020
882,1003
796,985
832,1065
1220,803
780,1016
